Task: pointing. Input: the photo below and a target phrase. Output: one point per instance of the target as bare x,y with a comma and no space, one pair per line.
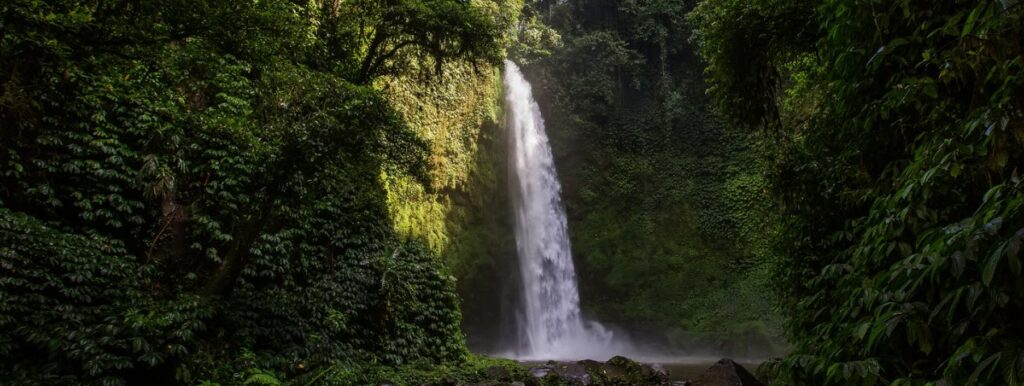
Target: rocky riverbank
618,371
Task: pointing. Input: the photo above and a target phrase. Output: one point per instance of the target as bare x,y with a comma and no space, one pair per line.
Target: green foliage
475,369
193,187
898,170
665,206
371,38
755,39
72,307
261,378
535,39
460,213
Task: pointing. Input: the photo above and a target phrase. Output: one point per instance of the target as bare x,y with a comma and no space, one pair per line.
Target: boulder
660,370
540,371
624,371
591,365
653,374
573,373
618,371
616,368
726,373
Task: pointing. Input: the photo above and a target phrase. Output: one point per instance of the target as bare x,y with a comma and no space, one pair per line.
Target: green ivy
194,188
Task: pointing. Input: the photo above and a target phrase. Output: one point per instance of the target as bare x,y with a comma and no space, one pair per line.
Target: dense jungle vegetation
206,190
314,191
895,130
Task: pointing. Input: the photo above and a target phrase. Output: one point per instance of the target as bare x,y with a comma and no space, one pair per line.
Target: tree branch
379,36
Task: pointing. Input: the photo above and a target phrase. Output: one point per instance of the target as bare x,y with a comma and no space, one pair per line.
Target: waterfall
550,325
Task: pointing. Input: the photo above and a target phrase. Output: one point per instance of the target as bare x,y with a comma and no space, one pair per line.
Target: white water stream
550,325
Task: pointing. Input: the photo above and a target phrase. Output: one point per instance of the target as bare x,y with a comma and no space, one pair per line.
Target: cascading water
550,324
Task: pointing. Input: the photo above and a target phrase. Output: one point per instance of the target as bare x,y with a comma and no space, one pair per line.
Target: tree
898,158
385,37
189,180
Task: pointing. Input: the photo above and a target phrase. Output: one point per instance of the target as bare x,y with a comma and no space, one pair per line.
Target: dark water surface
688,371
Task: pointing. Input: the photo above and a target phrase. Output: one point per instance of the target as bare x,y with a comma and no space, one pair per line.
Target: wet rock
660,370
642,374
619,360
618,371
592,367
624,371
574,373
617,368
727,373
589,364
540,371
648,373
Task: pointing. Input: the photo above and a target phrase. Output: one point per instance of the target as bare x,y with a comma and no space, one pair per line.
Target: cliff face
463,214
657,190
669,226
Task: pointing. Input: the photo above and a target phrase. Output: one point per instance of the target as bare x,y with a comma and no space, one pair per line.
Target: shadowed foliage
193,190
897,166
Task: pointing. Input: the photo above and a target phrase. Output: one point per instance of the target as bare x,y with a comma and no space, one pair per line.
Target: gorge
366,192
